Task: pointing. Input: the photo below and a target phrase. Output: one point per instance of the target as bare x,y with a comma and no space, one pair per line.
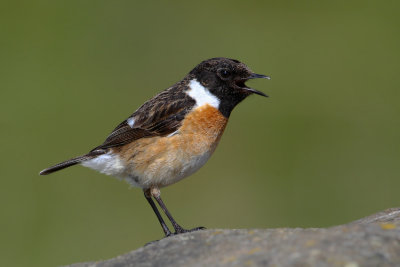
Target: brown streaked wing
159,116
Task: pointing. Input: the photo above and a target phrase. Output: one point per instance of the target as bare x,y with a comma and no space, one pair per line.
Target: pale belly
166,168
162,161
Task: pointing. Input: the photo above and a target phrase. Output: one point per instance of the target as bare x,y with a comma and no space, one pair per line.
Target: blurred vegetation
322,150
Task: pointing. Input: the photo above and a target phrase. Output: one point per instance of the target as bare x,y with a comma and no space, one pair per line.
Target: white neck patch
202,95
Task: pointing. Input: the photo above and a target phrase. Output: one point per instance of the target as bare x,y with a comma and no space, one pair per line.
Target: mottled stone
371,241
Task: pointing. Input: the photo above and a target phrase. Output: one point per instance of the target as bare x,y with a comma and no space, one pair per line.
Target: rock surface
371,241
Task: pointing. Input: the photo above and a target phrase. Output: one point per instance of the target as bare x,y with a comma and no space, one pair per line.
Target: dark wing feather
123,137
160,116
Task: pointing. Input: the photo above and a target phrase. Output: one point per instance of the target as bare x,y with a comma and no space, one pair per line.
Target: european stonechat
173,134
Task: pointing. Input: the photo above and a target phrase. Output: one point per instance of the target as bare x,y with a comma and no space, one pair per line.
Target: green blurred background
322,150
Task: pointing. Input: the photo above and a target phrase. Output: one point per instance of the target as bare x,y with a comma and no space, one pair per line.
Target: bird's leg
147,195
155,192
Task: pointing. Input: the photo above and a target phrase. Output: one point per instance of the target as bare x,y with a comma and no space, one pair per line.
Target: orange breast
202,129
160,161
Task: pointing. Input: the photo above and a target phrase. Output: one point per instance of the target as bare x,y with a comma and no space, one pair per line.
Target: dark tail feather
71,162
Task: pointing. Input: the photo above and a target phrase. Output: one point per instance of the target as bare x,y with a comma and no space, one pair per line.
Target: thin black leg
176,226
160,219
178,229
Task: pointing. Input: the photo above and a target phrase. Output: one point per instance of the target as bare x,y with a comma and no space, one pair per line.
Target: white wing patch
131,122
202,95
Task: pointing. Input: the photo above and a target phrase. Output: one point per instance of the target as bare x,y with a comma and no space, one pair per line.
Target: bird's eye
224,73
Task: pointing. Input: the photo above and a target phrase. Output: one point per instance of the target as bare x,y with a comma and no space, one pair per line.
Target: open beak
257,76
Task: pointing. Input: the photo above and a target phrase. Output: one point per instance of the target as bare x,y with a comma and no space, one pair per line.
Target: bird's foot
180,230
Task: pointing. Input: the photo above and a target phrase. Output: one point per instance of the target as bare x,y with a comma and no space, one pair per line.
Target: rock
371,241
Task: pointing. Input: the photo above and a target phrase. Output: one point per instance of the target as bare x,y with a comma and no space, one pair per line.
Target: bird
173,134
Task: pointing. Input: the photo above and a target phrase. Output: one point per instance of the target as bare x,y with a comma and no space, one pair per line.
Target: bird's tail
70,162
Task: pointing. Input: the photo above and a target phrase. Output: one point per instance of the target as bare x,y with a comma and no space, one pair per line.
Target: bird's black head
225,78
